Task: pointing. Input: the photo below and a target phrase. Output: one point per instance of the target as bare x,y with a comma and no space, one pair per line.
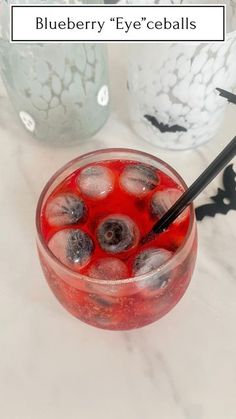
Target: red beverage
90,218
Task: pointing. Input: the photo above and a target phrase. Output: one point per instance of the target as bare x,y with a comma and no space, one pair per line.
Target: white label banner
114,23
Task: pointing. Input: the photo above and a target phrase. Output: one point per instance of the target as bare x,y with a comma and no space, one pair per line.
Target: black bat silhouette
224,201
227,95
164,127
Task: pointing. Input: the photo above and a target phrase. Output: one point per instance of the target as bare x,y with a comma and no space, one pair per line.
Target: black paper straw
231,97
193,191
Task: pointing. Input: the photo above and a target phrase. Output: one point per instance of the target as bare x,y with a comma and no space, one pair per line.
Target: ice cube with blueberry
73,247
162,201
149,261
65,209
139,179
117,233
96,182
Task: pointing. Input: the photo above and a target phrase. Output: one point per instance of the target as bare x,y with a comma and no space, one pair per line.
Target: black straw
227,95
193,191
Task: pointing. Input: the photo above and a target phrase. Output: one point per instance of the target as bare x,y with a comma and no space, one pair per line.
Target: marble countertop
54,366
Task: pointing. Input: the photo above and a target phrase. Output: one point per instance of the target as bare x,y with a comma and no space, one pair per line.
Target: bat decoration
227,95
224,201
164,127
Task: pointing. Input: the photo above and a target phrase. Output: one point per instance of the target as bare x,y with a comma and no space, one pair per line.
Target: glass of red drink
90,218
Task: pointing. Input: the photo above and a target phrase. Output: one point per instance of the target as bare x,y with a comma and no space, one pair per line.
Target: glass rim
164,267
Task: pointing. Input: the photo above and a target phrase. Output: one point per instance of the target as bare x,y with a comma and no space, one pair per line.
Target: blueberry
79,247
162,200
117,234
150,260
73,247
65,209
96,181
139,179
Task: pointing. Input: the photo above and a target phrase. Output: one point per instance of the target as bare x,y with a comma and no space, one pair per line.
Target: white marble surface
54,366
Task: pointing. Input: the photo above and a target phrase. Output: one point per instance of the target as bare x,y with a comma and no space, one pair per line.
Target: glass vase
59,91
173,99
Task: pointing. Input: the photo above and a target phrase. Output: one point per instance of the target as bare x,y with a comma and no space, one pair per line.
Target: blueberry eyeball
117,233
149,261
139,179
162,201
65,209
96,181
73,247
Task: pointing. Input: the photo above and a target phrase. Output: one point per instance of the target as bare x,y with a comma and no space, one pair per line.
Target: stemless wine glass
124,303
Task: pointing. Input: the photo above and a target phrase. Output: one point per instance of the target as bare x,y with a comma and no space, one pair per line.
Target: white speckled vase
172,88
60,91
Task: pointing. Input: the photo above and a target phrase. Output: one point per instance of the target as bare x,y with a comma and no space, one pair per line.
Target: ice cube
96,181
150,260
163,200
65,209
73,247
108,268
117,233
139,179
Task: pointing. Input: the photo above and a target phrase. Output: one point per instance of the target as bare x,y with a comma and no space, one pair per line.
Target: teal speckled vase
59,91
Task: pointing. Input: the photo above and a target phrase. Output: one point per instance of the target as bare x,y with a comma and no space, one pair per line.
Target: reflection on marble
52,365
